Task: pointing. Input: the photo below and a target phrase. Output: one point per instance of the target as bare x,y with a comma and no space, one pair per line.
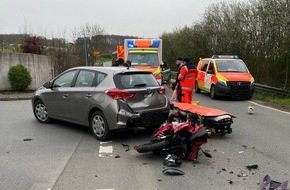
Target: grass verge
272,99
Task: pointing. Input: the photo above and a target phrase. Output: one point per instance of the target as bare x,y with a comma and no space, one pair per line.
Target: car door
57,99
208,75
82,94
202,73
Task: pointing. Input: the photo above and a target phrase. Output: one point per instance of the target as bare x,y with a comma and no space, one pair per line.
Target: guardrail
259,86
272,89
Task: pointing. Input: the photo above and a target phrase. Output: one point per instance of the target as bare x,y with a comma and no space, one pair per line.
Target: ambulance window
211,67
204,65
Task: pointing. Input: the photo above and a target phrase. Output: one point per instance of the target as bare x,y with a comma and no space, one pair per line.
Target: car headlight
222,82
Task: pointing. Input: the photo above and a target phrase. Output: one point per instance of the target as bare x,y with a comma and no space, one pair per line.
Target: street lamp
85,44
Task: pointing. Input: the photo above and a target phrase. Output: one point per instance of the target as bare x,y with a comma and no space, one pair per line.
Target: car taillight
116,93
162,90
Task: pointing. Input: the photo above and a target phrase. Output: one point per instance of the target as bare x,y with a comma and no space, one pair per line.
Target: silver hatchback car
105,99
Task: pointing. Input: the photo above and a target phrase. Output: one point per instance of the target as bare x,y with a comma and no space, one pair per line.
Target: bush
19,77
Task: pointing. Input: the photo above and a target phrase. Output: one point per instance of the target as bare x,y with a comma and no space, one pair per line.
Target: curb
16,96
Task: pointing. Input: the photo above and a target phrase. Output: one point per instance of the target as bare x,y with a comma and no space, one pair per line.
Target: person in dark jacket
176,96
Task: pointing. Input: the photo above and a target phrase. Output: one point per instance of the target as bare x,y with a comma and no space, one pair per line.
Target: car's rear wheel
99,126
212,92
197,90
40,112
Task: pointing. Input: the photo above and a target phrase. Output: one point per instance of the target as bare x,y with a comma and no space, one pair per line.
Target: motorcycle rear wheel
153,146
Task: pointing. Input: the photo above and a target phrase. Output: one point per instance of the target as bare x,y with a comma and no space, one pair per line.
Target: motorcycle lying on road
177,140
186,129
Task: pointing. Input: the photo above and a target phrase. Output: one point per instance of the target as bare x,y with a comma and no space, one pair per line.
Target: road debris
269,184
251,109
27,139
251,167
242,174
172,171
172,160
126,145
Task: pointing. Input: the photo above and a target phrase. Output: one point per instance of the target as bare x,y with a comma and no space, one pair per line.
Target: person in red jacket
186,78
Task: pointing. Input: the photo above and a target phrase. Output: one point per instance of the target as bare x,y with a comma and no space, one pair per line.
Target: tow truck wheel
197,90
212,92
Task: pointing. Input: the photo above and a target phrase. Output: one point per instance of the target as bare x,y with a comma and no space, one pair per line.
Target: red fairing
162,129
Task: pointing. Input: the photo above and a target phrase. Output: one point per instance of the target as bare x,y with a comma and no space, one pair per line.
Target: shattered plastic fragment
173,171
253,166
268,184
126,145
27,139
242,174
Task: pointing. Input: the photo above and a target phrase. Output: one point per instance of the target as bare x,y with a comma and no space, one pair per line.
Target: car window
64,80
204,65
231,66
85,78
134,80
150,59
211,66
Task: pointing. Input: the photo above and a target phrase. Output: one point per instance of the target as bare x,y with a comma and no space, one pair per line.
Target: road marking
270,108
106,149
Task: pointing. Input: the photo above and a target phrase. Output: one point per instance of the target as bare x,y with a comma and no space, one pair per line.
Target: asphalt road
65,156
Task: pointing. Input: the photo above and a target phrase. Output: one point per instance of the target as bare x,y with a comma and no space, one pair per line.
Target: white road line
106,149
267,107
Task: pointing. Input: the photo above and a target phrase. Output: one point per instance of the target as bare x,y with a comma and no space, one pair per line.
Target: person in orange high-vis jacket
186,78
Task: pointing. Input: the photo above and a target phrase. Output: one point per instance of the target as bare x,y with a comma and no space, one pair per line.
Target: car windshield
142,58
134,80
233,65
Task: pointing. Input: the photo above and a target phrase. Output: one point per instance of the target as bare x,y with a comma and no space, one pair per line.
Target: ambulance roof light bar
225,56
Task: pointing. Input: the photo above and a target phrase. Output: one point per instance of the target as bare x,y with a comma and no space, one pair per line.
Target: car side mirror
209,72
47,84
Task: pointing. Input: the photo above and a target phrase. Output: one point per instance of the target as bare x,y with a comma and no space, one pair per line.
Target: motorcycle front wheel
153,146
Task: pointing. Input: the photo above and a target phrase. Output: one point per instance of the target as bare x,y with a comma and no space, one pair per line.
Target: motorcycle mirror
173,171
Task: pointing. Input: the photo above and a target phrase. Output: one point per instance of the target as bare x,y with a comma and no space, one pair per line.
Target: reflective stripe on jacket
187,76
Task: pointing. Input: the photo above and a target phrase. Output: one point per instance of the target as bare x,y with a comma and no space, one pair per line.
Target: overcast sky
143,18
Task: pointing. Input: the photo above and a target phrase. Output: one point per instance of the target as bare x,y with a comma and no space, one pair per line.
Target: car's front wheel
212,92
197,90
99,126
40,112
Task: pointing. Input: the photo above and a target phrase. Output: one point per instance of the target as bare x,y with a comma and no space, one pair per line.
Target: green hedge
19,77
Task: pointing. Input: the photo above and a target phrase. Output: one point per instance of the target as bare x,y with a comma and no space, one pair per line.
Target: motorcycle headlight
222,82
